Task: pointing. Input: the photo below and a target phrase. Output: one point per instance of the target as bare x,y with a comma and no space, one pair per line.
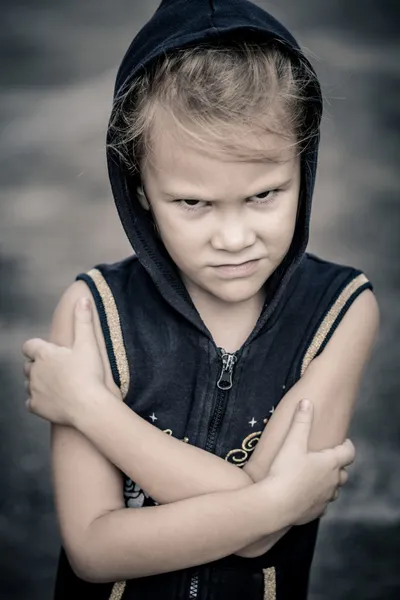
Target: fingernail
304,405
84,303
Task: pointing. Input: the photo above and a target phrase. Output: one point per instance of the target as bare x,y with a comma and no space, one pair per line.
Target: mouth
238,264
237,269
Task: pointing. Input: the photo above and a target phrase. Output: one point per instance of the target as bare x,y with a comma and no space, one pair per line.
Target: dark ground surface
57,219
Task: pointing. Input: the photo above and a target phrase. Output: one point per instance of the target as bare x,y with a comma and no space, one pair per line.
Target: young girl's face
227,224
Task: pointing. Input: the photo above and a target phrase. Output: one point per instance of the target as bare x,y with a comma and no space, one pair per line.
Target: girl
210,334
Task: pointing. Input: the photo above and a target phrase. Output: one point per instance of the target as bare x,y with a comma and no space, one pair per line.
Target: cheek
279,231
181,240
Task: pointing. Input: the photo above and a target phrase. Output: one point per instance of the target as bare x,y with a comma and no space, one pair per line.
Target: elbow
84,562
84,566
91,564
89,571
255,550
250,553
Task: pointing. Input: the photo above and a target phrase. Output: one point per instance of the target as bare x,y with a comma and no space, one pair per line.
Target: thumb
300,427
36,348
83,323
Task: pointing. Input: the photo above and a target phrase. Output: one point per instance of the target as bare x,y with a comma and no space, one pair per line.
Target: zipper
228,362
224,384
194,586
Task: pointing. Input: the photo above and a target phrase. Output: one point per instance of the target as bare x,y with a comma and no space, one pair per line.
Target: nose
233,234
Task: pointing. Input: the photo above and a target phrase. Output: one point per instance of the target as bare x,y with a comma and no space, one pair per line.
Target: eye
197,205
192,204
263,197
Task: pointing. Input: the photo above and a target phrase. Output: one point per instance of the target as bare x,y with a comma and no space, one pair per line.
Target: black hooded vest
164,359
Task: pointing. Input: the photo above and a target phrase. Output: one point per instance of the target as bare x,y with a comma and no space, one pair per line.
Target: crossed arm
171,471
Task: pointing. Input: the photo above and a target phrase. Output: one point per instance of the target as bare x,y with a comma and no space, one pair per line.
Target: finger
345,453
300,428
34,348
83,323
27,368
343,476
335,496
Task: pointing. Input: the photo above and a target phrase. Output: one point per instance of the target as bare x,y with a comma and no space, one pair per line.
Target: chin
236,292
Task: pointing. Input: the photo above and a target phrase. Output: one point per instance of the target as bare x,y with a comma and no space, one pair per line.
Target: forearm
168,469
257,468
130,543
264,544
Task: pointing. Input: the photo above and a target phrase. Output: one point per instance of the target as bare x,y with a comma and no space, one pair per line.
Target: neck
230,323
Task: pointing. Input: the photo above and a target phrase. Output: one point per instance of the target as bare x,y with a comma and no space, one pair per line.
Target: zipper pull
228,362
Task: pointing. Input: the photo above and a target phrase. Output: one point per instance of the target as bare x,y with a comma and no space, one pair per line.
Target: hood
175,24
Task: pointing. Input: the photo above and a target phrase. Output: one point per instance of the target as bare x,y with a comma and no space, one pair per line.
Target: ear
142,197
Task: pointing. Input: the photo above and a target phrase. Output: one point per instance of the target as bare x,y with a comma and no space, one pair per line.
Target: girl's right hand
308,481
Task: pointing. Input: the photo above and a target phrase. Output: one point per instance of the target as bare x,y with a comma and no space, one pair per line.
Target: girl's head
215,134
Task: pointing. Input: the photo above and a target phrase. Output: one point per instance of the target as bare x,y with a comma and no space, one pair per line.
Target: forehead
181,154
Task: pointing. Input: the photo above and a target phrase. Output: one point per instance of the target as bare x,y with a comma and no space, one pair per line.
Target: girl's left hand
60,381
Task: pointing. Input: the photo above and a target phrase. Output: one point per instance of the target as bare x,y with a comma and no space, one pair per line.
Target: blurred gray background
57,219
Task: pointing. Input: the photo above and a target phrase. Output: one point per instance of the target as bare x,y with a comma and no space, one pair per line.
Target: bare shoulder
362,316
62,327
331,382
351,344
62,323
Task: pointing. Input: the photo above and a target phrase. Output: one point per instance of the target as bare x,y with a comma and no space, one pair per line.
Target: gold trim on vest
269,583
114,325
330,319
118,590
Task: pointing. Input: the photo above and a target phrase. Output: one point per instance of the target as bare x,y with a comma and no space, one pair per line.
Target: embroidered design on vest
330,319
169,432
114,326
269,583
117,590
240,456
133,494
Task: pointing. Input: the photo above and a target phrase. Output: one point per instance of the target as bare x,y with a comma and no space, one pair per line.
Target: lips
234,270
237,264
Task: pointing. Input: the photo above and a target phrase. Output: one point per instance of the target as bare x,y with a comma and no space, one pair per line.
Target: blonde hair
217,95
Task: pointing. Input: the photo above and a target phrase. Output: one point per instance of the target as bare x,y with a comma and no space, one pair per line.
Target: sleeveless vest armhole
333,317
110,325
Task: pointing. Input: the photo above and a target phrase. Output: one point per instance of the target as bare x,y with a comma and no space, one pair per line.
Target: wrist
269,506
91,403
286,501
